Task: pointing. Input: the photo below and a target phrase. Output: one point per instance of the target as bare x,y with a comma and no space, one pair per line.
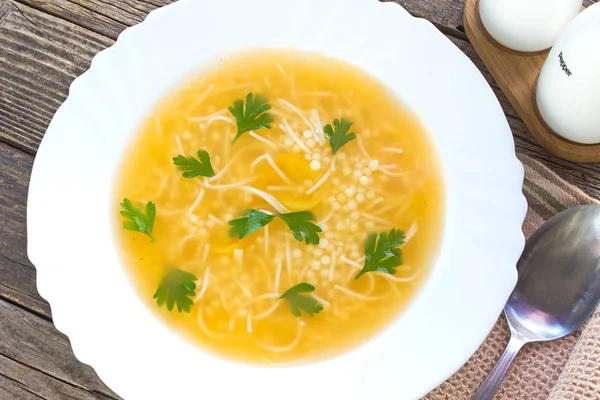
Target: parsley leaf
301,227
299,302
176,288
139,221
253,116
192,168
250,222
298,222
385,255
339,136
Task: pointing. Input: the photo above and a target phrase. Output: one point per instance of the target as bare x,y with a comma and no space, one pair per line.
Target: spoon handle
490,385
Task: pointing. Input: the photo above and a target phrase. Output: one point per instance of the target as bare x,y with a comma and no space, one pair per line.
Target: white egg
568,88
527,25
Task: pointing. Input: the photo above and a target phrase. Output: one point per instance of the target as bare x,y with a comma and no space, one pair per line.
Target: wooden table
44,45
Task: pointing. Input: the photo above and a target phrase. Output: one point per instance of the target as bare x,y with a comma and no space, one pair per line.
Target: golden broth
388,177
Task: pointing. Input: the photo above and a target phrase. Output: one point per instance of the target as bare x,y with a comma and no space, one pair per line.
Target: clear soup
387,177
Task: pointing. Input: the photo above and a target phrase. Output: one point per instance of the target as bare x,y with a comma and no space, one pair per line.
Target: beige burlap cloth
568,368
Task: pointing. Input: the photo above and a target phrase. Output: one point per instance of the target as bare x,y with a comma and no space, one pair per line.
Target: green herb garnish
338,135
298,222
250,222
299,302
176,288
252,116
192,168
383,255
139,220
301,227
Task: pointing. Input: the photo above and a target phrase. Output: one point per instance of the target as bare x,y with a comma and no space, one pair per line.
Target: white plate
69,211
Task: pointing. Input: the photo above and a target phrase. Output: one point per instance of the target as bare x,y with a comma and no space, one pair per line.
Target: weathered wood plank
14,390
34,354
17,275
34,384
35,359
39,57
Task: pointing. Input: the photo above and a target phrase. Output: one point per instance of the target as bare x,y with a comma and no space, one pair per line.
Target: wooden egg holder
516,74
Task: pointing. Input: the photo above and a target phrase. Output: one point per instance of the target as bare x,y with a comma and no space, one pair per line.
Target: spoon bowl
558,286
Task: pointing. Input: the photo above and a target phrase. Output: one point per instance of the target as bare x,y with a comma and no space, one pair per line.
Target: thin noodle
393,150
361,147
374,203
285,75
391,207
332,266
227,186
179,146
238,256
395,278
249,323
206,118
411,232
162,187
158,126
350,262
207,331
296,111
184,241
232,320
216,220
223,118
200,99
228,165
321,300
273,202
234,87
374,218
304,270
204,285
317,125
395,174
327,218
288,258
357,295
196,202
281,189
320,182
266,231
278,275
269,311
262,139
264,297
223,302
244,288
258,160
288,129
205,254
277,169
281,349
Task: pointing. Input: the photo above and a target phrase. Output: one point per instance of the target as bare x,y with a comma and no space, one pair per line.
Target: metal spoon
558,286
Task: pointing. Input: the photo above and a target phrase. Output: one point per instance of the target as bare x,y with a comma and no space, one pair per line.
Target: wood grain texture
39,57
35,359
34,355
516,74
17,275
44,45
